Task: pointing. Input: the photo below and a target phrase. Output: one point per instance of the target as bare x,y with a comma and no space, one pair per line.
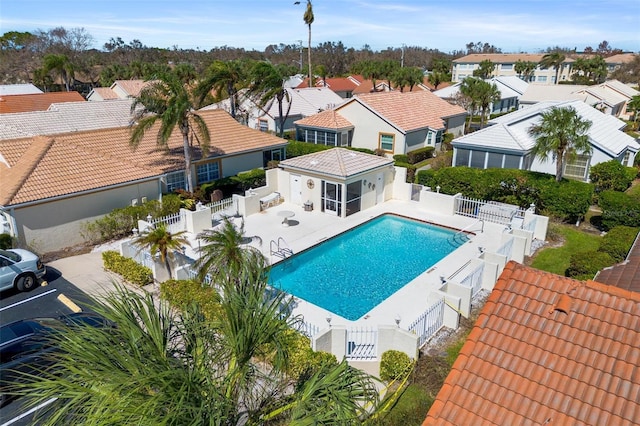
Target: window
542,78
429,137
507,67
175,181
208,172
577,168
344,139
495,160
462,157
273,155
354,191
439,136
263,125
386,142
477,159
512,161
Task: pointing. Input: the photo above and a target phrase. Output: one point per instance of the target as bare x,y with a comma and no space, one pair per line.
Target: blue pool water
353,272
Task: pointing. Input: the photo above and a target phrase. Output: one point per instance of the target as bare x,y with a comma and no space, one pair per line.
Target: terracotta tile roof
35,101
526,361
337,84
625,275
337,162
411,110
130,87
48,166
105,93
328,119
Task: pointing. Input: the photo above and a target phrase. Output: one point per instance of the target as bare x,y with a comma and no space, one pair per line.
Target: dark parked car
20,269
24,345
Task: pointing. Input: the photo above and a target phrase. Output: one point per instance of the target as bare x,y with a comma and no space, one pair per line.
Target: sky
446,25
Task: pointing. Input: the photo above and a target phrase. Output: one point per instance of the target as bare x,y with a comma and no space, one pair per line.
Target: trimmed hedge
296,149
401,158
127,268
585,265
181,293
618,209
421,154
568,200
611,175
393,365
617,242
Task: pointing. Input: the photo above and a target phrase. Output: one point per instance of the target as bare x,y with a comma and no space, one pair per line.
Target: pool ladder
280,248
463,232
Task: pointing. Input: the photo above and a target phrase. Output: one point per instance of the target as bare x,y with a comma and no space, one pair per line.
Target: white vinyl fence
362,344
429,322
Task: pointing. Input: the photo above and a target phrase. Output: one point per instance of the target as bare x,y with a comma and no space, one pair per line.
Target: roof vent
562,305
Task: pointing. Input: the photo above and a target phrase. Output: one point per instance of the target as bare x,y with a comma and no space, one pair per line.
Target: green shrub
181,293
6,242
618,209
585,265
617,242
568,200
411,171
611,175
421,154
296,149
127,268
394,364
252,179
365,150
401,158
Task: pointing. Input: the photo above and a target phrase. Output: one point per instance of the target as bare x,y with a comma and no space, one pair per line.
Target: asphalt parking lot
68,287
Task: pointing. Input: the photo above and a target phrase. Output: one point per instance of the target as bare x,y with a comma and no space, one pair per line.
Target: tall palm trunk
184,128
559,164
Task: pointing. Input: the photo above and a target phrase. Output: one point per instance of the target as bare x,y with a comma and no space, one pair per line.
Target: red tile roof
409,110
526,361
625,275
48,166
337,84
35,101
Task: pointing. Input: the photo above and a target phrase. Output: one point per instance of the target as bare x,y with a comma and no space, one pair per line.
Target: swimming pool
353,272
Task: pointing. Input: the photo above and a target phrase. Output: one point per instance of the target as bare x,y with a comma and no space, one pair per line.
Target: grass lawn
556,260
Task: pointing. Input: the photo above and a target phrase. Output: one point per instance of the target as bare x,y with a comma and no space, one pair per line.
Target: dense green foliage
127,268
120,222
619,208
6,242
394,365
566,200
585,265
611,175
421,154
182,293
617,242
296,149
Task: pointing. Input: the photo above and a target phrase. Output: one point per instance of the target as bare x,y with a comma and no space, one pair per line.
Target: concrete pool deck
308,228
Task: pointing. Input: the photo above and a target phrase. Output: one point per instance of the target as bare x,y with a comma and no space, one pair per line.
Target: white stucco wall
368,126
58,224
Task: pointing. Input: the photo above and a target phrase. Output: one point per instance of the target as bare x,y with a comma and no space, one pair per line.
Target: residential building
120,89
511,89
505,66
297,104
610,97
507,144
546,349
18,89
66,117
52,185
394,122
35,101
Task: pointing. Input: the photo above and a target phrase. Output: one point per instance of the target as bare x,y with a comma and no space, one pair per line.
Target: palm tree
487,94
267,85
436,78
308,19
562,133
224,256
164,366
524,69
162,243
634,106
226,78
61,65
469,89
172,101
554,59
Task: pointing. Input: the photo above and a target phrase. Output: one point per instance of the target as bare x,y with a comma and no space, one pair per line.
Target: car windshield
15,257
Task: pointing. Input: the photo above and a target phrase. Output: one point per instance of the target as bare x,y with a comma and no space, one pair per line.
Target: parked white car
20,269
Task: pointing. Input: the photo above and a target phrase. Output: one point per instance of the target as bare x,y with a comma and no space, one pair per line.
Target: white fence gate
362,344
429,322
